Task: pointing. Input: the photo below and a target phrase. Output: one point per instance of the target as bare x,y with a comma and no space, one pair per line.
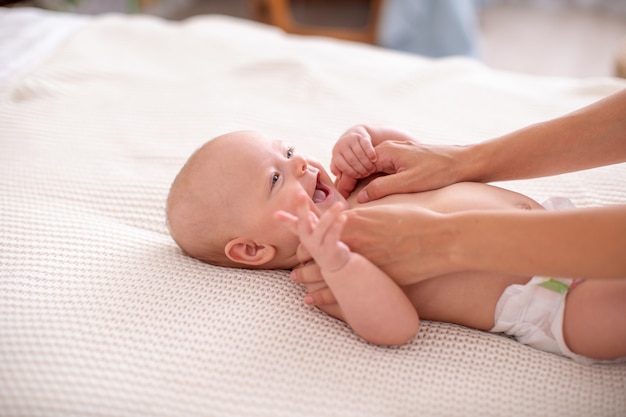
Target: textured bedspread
101,314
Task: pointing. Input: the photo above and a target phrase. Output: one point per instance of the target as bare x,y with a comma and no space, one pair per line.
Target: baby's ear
246,251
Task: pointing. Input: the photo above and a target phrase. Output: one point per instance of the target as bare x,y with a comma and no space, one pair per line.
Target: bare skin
523,243
463,296
593,322
382,306
466,298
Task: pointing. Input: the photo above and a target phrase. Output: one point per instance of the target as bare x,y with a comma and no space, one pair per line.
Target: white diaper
533,314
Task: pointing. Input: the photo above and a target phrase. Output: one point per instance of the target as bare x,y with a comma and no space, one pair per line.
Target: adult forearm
581,243
592,136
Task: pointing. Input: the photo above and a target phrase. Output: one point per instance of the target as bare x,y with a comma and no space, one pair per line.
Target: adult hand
409,243
412,167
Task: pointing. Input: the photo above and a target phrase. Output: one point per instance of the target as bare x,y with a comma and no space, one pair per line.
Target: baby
244,200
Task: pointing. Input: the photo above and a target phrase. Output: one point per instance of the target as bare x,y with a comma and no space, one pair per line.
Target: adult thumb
382,187
302,254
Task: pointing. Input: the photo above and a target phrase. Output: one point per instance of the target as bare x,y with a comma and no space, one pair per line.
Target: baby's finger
369,150
343,166
334,231
325,225
288,220
356,162
334,169
364,150
306,219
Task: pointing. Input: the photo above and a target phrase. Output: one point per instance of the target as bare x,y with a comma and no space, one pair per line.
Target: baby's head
221,205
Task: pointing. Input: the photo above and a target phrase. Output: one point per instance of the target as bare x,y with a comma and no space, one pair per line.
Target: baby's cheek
289,246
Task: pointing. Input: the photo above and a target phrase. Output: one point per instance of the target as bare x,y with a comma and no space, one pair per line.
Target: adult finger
383,186
303,255
321,297
307,274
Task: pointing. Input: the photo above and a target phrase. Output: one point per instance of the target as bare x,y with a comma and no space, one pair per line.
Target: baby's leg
594,324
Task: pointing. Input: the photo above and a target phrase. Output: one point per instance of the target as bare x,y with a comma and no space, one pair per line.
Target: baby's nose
300,164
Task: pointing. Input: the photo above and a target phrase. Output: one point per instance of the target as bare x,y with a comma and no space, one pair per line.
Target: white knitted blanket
101,314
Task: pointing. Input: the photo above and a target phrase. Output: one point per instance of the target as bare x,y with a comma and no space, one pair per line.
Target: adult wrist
473,245
456,253
471,163
440,245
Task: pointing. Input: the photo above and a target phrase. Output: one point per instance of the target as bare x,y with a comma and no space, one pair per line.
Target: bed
102,315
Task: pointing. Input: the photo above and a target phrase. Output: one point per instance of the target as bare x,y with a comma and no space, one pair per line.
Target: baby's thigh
594,324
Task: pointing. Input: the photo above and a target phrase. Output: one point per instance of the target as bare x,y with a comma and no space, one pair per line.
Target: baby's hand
353,158
319,236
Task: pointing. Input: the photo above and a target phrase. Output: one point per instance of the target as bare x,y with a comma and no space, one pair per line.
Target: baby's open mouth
320,193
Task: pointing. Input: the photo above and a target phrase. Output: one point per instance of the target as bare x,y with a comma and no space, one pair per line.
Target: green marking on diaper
554,285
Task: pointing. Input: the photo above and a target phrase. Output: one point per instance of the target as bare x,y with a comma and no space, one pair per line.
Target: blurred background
573,38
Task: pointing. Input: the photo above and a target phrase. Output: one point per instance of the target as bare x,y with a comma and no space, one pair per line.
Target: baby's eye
290,151
275,178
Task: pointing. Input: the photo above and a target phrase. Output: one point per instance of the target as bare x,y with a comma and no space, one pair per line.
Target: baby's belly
463,197
466,298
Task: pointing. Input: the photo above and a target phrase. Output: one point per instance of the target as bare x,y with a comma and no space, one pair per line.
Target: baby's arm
368,300
354,154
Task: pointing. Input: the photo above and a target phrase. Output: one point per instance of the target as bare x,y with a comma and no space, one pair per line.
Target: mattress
101,313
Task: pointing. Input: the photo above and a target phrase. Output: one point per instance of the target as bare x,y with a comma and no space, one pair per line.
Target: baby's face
266,176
